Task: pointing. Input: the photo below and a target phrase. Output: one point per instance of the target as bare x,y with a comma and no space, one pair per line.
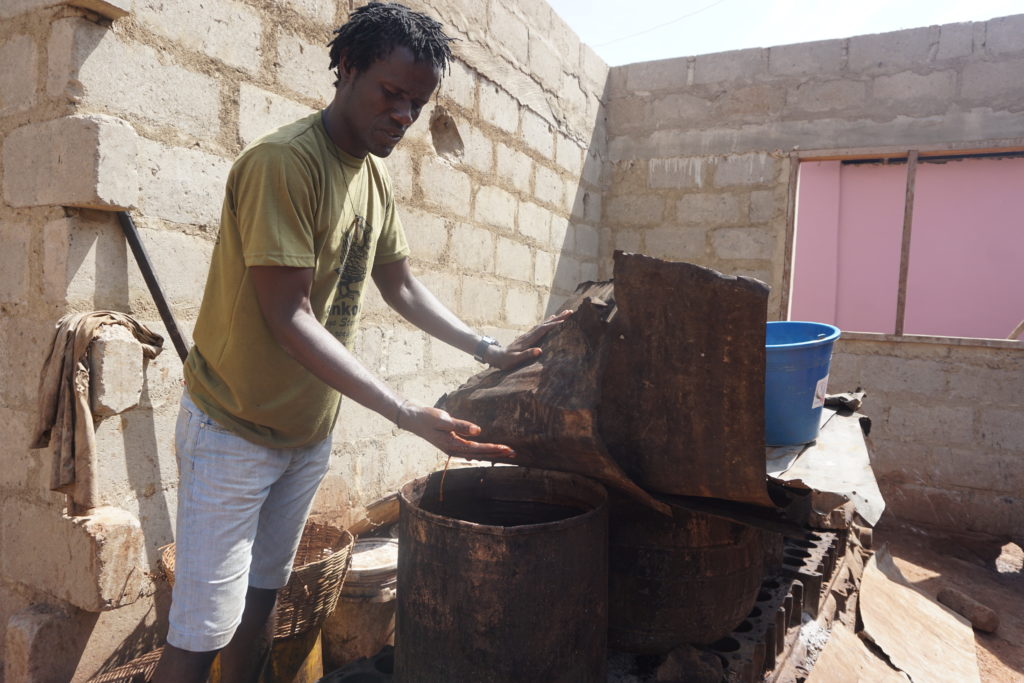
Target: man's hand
522,350
446,433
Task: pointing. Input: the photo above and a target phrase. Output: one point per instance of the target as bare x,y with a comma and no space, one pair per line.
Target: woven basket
318,572
139,670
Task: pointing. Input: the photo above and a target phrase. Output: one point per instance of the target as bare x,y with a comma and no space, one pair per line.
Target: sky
623,32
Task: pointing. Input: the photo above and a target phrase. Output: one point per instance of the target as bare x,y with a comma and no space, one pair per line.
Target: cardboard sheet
920,636
846,659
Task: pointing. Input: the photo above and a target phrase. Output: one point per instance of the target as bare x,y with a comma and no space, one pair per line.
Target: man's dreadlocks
373,31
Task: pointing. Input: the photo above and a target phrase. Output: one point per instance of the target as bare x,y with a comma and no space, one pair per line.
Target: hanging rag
65,416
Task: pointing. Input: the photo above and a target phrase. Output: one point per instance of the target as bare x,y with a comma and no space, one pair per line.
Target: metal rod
135,242
908,221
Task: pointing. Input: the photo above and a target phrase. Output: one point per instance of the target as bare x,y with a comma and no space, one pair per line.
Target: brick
567,274
87,161
405,351
685,173
907,85
934,424
743,243
710,209
679,108
15,260
1005,34
635,210
981,386
630,241
560,239
181,185
828,96
895,49
18,55
537,134
496,207
479,150
904,376
592,207
572,192
975,468
1001,428
181,263
548,186
427,235
563,38
757,102
593,167
401,168
31,638
955,40
480,299
115,371
90,65
676,244
545,63
543,268
663,74
730,66
320,11
992,82
588,271
498,108
764,207
534,222
96,562
587,241
806,59
227,31
593,68
459,85
444,186
261,111
473,248
522,306
303,68
514,167
568,155
514,260
509,32
759,168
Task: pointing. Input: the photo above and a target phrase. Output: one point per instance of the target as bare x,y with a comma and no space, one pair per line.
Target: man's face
375,107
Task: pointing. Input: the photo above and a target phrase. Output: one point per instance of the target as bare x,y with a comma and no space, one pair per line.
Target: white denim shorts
241,510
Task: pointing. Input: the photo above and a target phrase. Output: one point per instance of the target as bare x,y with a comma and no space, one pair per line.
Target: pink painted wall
967,246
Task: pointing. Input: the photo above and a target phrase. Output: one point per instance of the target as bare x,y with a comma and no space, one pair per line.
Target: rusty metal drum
690,578
502,577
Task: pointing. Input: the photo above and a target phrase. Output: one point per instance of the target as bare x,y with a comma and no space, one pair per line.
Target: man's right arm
283,295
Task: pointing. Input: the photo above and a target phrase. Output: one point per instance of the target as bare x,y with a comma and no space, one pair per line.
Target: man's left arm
414,302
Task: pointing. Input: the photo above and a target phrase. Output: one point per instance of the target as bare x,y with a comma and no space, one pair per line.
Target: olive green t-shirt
292,199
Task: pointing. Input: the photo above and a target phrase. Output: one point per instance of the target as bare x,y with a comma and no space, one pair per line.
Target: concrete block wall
700,152
106,105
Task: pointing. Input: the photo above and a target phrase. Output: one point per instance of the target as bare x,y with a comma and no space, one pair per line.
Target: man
308,214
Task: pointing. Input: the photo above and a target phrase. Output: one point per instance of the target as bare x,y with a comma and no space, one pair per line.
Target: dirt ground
985,568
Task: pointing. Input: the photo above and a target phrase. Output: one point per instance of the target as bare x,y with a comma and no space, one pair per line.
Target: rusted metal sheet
505,579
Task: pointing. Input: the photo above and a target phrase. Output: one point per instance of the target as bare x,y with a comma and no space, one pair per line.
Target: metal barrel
691,578
502,576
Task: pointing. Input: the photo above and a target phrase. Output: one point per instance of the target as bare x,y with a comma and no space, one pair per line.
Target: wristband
481,348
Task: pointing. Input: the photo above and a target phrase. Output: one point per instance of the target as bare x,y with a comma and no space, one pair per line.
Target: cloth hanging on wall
64,415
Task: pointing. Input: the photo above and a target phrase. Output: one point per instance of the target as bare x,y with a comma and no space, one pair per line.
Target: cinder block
543,268
941,425
261,111
479,149
473,248
569,155
593,167
116,377
405,351
1005,34
685,173
896,49
459,85
95,562
759,168
87,161
992,82
676,243
743,243
514,167
679,108
534,222
753,102
514,260
955,40
545,63
764,207
18,54
828,96
538,134
522,306
32,638
630,241
510,33
904,375
402,170
498,108
588,241
567,274
635,210
228,31
560,240
588,271
181,185
111,9
548,186
495,207
563,38
806,59
737,65
15,261
593,69
632,114
935,86
91,66
427,235
592,207
303,68
1000,428
480,299
664,74
320,11
445,187
181,263
711,209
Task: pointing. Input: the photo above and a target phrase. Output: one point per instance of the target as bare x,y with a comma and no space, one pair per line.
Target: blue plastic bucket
796,377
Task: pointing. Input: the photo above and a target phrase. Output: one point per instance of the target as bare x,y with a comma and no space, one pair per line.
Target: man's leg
181,666
249,650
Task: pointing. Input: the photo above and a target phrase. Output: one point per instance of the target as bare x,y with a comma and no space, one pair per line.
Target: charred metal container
502,576
690,578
